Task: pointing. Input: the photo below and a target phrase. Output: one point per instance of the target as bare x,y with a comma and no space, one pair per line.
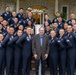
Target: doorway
38,13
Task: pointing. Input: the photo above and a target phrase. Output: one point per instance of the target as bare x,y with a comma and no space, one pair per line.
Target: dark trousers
53,62
70,61
62,62
9,62
2,56
43,63
17,57
26,63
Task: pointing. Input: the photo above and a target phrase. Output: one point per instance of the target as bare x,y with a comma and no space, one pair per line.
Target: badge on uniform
58,40
5,14
28,38
19,15
23,21
67,40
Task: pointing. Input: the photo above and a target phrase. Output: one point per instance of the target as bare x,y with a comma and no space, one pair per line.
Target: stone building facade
41,6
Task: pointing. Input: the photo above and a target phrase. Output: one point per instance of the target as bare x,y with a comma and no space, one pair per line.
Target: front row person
26,40
56,48
40,48
9,51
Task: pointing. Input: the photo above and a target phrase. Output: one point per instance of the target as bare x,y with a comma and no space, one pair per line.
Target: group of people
55,44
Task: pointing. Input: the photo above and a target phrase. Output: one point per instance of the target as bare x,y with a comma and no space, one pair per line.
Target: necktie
41,40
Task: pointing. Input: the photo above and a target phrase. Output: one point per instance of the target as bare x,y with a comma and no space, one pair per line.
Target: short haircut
41,27
20,8
6,6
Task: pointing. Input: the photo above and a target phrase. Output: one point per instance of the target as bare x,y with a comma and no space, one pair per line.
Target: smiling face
69,29
41,31
11,30
28,30
19,33
72,16
52,33
1,37
46,17
30,14
61,32
14,14
74,27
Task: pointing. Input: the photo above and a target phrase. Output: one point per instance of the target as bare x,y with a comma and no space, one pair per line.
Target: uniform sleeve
21,39
60,44
69,44
5,40
12,41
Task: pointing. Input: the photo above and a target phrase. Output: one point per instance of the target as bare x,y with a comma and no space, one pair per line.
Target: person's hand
46,56
35,56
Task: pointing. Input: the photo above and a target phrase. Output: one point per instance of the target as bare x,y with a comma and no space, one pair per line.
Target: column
56,6
43,17
17,6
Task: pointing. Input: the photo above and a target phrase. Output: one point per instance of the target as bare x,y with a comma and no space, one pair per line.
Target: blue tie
41,40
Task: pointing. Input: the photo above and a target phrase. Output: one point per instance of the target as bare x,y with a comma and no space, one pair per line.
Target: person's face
72,16
20,27
5,23
53,34
65,26
55,25
29,23
11,31
7,9
48,28
61,32
15,20
74,27
32,31
46,23
60,20
0,26
1,37
19,33
21,11
69,29
1,19
28,31
41,31
46,17
14,14
8,29
57,14
29,14
73,22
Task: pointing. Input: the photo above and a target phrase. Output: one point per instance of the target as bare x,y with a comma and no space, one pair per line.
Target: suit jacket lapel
43,41
38,39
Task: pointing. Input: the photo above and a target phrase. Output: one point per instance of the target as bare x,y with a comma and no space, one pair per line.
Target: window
64,10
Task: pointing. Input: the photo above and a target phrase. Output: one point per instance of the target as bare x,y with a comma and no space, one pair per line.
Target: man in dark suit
40,48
